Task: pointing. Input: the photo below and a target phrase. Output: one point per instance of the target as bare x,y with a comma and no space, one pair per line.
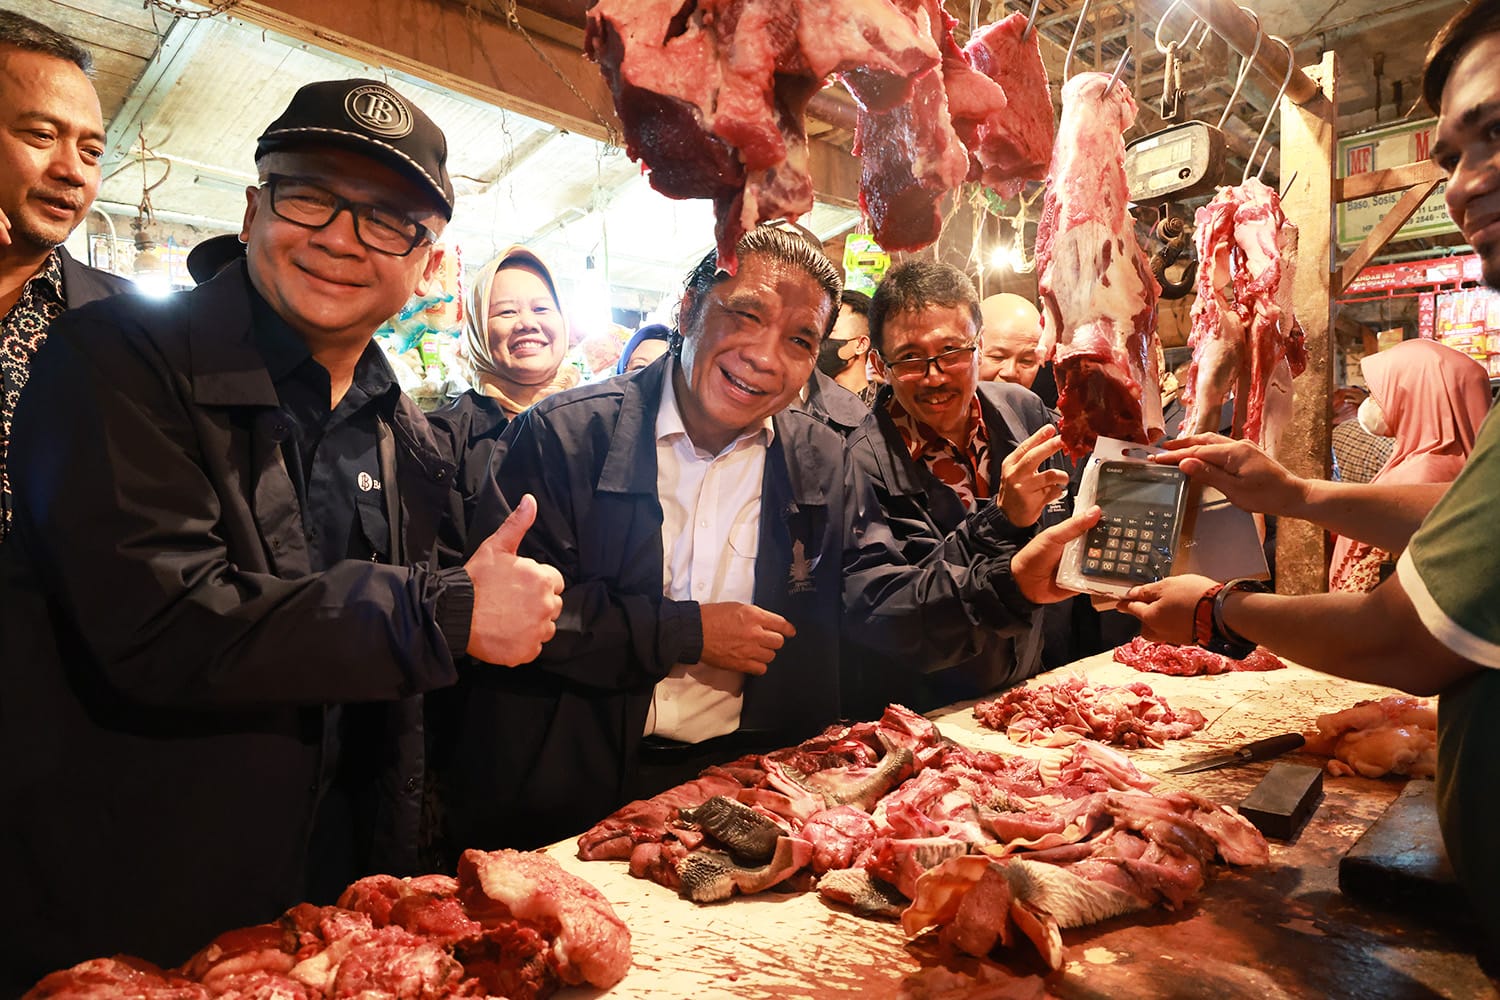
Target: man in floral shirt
51,141
945,447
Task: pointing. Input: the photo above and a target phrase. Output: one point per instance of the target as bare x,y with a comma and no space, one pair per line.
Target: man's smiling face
749,346
1468,150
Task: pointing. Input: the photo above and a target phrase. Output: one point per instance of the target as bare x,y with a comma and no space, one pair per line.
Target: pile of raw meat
1066,711
890,819
1245,337
712,95
1189,661
1098,295
512,924
1395,735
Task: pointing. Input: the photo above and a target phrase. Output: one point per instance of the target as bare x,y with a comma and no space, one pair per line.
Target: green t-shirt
1451,572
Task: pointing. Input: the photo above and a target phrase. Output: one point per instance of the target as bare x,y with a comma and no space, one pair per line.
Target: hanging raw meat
1099,320
1245,338
910,155
1014,147
711,93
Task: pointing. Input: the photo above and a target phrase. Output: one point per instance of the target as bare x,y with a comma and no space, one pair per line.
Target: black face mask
829,362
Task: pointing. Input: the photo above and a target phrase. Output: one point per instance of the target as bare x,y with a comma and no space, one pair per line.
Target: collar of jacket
228,370
83,284
1004,426
630,465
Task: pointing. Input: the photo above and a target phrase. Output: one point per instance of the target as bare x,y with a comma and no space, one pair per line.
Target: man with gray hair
51,142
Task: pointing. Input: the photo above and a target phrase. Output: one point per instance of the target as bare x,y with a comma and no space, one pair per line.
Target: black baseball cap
212,255
368,117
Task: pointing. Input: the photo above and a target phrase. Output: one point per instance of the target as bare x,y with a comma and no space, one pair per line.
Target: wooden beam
1375,182
529,71
1378,237
1308,134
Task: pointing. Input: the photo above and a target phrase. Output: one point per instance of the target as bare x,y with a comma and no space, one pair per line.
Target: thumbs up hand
516,600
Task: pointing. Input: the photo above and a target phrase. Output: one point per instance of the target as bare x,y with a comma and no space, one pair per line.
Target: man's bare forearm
1384,515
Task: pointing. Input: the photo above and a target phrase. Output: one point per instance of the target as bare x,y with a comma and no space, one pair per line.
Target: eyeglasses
305,204
911,369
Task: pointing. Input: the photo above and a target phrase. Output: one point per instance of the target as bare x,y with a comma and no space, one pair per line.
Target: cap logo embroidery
380,110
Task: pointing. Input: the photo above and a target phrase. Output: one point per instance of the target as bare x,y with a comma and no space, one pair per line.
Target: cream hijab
490,379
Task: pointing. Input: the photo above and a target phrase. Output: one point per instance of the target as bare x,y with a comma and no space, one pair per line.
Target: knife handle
1273,746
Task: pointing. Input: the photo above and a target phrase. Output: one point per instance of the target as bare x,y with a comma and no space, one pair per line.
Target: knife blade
1265,749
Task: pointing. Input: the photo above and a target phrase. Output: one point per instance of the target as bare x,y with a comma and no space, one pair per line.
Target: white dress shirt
710,535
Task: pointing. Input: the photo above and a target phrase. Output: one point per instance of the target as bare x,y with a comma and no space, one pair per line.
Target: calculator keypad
1133,547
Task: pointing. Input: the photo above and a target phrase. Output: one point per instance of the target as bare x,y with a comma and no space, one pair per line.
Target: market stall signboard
1383,149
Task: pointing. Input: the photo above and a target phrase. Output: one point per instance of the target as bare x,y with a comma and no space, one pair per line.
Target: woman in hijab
645,346
1432,399
515,337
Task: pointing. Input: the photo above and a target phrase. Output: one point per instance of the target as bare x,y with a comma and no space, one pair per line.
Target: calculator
1136,538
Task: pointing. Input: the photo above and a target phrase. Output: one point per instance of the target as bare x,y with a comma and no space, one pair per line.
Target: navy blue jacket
547,748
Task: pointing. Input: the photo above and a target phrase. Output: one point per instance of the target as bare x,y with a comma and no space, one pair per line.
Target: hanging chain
214,8
513,18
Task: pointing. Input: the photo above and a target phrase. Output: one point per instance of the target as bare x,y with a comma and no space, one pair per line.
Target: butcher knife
1265,749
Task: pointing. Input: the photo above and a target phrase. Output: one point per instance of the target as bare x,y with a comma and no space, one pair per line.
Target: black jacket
834,405
468,428
922,511
168,656
546,747
83,284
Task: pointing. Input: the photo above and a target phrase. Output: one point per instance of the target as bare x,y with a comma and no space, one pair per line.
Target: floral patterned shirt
964,470
21,334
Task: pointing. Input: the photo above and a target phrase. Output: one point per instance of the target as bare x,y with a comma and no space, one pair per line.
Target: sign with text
1383,149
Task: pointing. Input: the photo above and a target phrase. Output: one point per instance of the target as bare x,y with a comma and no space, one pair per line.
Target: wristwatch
1223,639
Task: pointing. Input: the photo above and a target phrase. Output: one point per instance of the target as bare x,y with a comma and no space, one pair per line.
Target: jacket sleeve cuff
454,608
1008,593
681,632
991,529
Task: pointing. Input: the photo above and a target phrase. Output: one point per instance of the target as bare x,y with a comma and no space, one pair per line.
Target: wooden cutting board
1400,859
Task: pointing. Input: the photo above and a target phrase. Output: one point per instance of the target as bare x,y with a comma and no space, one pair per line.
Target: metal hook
1083,13
1119,67
1239,81
1160,47
1031,20
1291,64
973,17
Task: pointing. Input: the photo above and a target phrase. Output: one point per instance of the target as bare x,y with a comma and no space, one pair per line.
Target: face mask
1372,418
830,362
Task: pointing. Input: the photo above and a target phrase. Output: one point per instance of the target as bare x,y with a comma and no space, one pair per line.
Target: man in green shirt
1434,627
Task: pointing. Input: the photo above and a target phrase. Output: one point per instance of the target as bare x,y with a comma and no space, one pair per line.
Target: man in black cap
225,593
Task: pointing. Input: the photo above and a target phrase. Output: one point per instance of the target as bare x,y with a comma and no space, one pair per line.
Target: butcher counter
1281,930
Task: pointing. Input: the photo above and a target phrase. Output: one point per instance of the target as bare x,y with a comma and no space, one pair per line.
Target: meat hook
1160,45
1239,81
1291,64
1176,238
1119,67
1083,13
1031,20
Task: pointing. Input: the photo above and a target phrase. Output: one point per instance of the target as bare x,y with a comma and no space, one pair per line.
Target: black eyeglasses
911,369
305,204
